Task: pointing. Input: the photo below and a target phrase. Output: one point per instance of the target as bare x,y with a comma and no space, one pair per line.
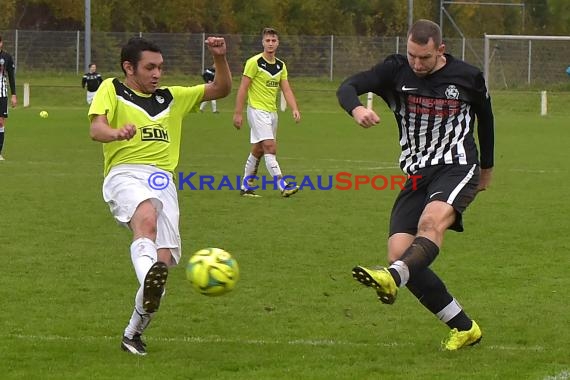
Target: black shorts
453,184
3,107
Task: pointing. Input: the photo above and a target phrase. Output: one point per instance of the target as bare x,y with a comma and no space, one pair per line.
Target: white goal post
492,53
26,95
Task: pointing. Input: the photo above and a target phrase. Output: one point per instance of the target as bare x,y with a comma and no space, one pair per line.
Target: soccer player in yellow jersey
263,76
139,124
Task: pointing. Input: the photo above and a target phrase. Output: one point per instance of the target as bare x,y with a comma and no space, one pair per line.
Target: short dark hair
422,30
269,30
132,51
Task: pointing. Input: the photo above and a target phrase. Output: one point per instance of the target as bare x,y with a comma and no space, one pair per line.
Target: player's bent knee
397,245
143,222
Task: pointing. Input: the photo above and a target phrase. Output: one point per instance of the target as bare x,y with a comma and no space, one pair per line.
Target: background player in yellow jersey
263,76
139,124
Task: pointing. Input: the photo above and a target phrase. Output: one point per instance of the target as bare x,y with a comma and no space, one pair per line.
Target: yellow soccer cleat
379,279
459,339
248,194
289,190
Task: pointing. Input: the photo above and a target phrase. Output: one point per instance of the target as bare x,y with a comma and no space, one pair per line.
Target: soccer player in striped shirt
208,76
436,100
7,77
92,80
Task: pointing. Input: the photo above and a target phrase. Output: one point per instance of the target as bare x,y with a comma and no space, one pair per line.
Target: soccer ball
212,271
44,114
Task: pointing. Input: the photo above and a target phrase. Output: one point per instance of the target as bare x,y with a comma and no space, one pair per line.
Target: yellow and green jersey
157,117
265,81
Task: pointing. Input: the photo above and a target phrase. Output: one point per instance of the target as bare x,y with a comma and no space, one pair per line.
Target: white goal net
512,62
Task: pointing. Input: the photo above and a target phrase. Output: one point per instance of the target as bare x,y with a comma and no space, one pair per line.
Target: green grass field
67,284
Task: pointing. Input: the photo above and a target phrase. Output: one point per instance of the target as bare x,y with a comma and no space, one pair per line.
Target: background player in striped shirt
208,76
92,80
7,77
140,125
436,100
263,76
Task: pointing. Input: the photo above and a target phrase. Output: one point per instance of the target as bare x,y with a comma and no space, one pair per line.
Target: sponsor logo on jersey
154,132
272,83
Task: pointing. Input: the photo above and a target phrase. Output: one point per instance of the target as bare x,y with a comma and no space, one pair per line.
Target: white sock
403,270
251,165
143,255
202,106
139,321
450,311
273,168
214,106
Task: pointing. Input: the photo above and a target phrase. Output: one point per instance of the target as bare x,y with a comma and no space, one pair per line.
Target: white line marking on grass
351,161
294,342
312,159
215,339
262,342
515,348
337,169
564,375
535,171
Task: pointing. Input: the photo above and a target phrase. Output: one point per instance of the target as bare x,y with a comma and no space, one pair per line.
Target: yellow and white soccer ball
44,114
212,271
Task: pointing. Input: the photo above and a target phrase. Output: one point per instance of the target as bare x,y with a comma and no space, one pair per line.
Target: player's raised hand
216,45
365,117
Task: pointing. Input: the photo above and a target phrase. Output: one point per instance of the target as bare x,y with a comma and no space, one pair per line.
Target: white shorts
90,96
126,186
263,125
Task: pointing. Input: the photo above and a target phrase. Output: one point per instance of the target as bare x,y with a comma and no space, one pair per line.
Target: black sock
419,255
1,141
395,276
432,293
430,290
460,322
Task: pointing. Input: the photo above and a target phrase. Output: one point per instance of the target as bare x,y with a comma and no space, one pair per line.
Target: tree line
289,17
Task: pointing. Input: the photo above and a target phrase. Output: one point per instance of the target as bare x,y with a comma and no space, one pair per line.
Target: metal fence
331,57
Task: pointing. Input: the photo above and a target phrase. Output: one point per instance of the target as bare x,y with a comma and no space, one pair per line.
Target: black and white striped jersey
435,114
7,74
209,74
92,80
